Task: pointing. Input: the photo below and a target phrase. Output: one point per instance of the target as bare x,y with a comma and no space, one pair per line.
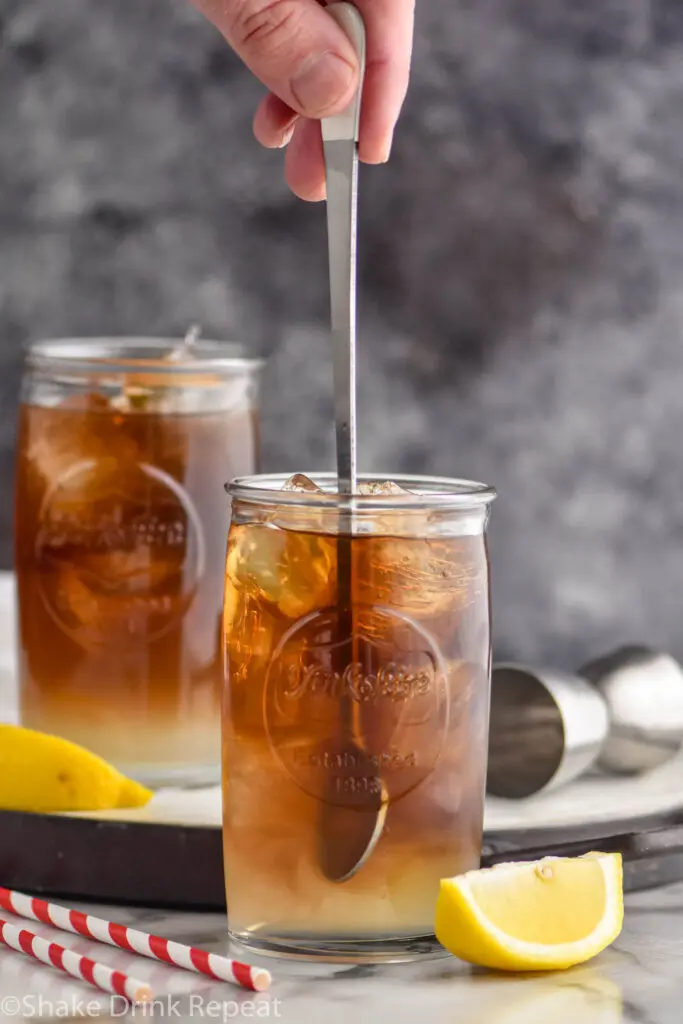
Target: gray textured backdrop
522,263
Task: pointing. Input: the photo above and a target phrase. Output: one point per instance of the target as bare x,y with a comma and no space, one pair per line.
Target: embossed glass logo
119,551
349,716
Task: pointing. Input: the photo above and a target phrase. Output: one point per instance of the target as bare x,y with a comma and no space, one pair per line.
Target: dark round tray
181,867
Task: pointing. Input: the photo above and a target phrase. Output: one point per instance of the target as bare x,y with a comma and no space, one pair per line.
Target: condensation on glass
355,721
121,526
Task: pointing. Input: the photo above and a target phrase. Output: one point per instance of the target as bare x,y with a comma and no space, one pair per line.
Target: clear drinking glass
120,541
355,718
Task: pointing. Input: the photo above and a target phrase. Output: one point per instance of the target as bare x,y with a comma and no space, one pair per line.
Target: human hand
309,65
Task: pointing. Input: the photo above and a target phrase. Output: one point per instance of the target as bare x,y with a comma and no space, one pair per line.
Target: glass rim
122,354
422,492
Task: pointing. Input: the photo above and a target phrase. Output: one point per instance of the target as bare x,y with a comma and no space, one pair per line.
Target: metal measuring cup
643,690
622,713
545,729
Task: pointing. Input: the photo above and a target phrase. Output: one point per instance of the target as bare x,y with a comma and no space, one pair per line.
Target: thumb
294,47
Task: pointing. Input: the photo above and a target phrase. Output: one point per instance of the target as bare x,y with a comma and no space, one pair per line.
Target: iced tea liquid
332,733
120,538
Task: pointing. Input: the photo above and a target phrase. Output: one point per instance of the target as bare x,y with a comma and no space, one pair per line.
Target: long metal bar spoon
350,823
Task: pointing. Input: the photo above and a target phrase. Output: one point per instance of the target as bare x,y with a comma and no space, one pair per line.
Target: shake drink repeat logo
119,552
347,717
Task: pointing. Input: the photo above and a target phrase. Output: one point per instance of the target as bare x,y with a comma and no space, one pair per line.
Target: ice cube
133,399
300,482
381,487
288,563
414,575
79,432
312,519
293,571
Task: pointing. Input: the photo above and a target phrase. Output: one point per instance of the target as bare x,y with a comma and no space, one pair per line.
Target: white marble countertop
639,980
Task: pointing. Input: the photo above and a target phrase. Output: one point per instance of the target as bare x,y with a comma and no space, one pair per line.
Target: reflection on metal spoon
349,833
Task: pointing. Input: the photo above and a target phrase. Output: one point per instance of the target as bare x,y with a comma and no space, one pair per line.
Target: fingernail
287,135
387,150
320,81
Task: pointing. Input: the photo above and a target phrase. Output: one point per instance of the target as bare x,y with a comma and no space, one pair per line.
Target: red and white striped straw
220,968
81,967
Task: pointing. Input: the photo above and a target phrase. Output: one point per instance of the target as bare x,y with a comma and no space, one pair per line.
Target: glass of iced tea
355,717
121,525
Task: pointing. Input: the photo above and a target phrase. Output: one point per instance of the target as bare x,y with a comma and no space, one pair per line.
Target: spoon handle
340,143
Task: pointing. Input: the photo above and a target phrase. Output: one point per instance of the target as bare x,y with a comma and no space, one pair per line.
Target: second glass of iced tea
355,718
120,543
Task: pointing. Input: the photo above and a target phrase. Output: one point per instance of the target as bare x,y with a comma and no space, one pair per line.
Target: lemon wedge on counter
47,774
539,916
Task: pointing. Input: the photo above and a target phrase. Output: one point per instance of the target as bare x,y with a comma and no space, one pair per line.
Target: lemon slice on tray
47,774
538,916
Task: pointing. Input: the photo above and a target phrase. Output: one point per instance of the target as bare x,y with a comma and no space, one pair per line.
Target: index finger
389,27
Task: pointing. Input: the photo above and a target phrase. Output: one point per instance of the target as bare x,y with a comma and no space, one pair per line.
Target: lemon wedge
47,774
540,916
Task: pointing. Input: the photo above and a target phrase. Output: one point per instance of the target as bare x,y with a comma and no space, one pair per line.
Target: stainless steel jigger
622,712
347,835
546,728
643,690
